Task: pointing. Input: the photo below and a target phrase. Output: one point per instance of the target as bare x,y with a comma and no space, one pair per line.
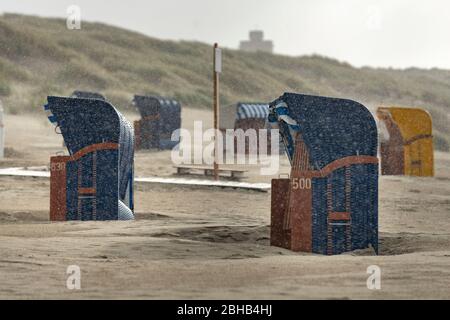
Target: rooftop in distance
256,42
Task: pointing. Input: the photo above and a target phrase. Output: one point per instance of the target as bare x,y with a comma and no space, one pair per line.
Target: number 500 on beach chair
95,181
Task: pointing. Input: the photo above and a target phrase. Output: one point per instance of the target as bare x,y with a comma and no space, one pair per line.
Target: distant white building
256,42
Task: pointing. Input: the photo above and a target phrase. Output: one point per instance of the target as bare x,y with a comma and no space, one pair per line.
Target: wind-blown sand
208,243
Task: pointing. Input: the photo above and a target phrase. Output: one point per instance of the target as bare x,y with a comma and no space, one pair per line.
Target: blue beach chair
329,205
95,181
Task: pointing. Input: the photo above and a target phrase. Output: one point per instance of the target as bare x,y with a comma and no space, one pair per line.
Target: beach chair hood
332,128
87,95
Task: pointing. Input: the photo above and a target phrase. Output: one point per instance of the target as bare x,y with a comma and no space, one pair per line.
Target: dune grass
40,57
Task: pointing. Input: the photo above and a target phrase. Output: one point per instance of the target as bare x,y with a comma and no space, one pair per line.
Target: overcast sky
397,33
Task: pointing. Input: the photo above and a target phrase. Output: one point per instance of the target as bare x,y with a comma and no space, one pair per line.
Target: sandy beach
207,243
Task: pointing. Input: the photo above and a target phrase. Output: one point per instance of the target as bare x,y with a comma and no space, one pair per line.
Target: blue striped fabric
252,110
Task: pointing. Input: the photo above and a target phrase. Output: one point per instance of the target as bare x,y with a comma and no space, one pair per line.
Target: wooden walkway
42,172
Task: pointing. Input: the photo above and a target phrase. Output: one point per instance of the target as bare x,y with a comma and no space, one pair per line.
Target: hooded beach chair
408,147
159,118
87,95
244,116
329,204
95,181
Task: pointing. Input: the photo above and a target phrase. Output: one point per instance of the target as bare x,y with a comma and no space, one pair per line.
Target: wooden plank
237,174
211,168
183,170
206,171
279,237
58,204
336,216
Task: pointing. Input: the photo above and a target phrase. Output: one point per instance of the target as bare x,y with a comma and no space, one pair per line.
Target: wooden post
216,71
2,133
